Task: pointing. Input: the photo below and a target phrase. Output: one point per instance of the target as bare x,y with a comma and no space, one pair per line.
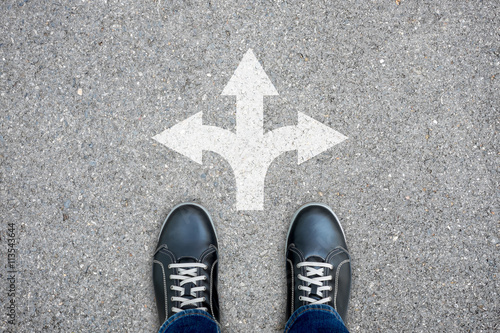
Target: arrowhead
249,78
315,137
184,137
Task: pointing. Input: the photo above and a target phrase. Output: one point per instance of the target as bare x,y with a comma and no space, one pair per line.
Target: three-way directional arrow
250,152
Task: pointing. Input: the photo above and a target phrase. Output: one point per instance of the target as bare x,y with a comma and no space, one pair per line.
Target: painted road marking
249,152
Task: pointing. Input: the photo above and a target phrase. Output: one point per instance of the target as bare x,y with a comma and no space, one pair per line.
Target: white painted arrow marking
250,152
249,84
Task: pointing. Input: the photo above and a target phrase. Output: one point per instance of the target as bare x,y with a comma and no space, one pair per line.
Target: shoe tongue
315,259
314,294
187,260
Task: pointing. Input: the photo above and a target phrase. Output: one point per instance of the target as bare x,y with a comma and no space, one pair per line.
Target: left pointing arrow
190,137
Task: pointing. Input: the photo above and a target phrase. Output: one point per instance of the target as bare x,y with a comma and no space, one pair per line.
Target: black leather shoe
318,264
185,263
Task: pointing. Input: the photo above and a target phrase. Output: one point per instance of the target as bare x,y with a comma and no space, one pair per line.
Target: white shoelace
316,282
187,273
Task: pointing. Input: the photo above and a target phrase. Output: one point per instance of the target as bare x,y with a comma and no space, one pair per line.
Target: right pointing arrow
309,138
314,138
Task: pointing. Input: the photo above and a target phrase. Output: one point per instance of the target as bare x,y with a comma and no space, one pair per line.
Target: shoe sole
309,205
189,204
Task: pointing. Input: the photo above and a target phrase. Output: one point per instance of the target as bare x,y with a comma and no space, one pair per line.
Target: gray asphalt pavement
85,85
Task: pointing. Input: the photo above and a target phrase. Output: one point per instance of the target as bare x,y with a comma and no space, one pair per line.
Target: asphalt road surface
413,85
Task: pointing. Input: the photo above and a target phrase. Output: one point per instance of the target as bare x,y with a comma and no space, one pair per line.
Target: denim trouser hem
315,318
190,321
307,318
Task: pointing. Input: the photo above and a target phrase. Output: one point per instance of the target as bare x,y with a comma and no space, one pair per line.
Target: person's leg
315,318
185,272
318,272
190,321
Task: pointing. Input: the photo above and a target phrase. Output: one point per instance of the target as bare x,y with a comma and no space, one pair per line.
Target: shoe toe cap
188,231
316,231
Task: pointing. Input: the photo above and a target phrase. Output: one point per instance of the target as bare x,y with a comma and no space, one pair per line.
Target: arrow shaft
250,190
250,116
250,173
216,139
282,139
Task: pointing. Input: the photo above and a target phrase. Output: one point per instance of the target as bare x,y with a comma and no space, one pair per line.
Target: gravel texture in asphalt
413,84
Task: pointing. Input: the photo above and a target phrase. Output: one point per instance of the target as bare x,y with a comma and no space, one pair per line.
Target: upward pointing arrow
249,84
249,151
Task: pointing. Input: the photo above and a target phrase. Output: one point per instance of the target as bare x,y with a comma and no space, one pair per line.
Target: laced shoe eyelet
171,287
301,298
169,266
204,288
171,299
331,288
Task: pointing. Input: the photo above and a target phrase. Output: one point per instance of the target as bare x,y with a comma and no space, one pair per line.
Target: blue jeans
307,318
